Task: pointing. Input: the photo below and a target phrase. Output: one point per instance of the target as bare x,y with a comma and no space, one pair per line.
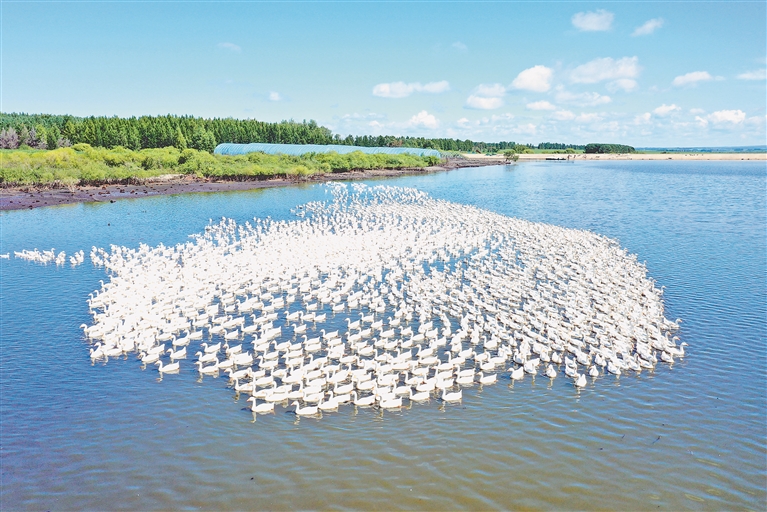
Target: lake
693,435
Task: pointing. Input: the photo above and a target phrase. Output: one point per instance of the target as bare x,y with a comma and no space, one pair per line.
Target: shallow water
76,435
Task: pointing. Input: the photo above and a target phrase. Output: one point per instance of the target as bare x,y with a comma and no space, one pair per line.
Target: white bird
208,370
419,397
212,349
305,411
178,354
206,358
168,368
364,401
147,358
551,372
263,408
518,374
390,403
452,397
487,379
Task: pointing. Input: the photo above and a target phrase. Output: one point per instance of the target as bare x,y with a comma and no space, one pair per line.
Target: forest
47,131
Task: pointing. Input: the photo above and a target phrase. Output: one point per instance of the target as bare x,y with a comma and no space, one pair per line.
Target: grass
86,165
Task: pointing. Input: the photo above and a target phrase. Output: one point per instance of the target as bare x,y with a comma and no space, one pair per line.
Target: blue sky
641,73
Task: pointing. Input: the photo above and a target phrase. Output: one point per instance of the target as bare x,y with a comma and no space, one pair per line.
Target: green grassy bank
86,165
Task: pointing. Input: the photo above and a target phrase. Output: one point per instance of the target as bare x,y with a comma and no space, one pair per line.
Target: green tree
202,140
510,155
52,137
24,136
179,141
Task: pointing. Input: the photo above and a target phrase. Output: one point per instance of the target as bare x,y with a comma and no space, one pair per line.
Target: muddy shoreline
30,197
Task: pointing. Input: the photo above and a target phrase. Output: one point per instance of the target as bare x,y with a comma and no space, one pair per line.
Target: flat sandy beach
29,197
633,156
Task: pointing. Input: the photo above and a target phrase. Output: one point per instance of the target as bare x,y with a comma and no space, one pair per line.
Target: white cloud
597,21
648,27
643,118
727,116
460,46
759,74
402,89
665,109
490,90
393,90
606,69
483,103
486,97
274,96
462,121
588,118
536,79
692,78
625,84
701,121
436,87
528,129
423,119
230,46
563,115
540,105
697,111
587,99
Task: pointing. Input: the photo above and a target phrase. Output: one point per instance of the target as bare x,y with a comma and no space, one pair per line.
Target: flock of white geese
377,297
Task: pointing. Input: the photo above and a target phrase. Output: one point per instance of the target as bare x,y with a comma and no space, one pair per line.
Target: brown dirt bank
22,198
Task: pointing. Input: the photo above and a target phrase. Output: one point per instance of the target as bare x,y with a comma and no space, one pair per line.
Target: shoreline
526,157
31,197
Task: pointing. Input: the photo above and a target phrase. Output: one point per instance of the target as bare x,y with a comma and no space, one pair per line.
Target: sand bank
630,156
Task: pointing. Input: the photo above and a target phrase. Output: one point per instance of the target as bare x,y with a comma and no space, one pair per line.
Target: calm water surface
692,436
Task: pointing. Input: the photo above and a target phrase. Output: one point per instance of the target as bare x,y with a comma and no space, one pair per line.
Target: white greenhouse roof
300,149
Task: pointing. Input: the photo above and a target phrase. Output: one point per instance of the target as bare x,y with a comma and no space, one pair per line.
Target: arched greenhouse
300,149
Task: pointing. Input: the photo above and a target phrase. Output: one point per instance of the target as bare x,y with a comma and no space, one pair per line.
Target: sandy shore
23,198
631,156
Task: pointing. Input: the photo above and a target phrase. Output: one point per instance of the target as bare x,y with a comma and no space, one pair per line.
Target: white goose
365,401
168,368
263,408
518,374
452,397
487,379
305,411
207,370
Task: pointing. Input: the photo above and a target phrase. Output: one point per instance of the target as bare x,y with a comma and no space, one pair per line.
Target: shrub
85,164
82,146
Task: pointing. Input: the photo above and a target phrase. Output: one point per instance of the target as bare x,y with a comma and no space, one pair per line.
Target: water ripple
76,436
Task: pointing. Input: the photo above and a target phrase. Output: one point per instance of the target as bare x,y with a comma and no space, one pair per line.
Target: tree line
608,148
47,131
557,145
